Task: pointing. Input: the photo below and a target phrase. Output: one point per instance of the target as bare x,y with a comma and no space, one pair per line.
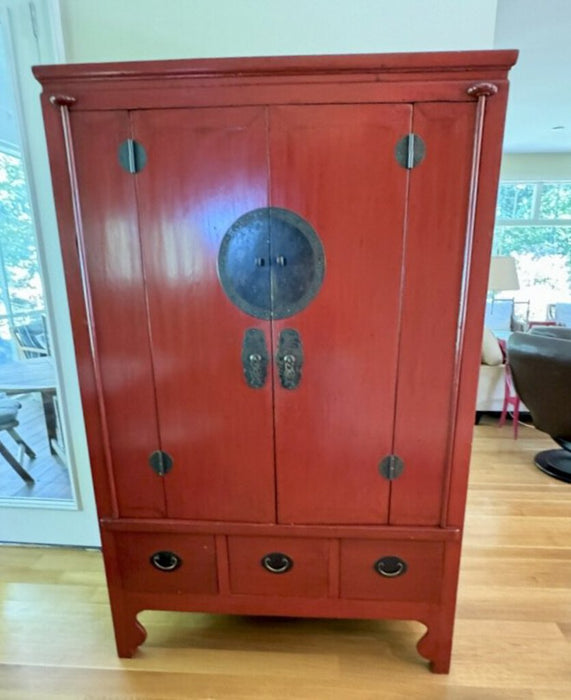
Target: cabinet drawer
287,566
167,563
391,570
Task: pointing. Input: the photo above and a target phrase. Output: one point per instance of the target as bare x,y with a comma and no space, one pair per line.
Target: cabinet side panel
478,284
64,195
335,166
205,169
435,243
120,328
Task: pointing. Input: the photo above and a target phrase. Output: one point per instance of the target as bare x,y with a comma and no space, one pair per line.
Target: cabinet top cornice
392,66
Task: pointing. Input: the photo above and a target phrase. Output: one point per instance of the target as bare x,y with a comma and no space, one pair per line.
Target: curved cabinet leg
436,644
129,632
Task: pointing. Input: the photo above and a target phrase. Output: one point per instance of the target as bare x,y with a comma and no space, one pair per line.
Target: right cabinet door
380,338
335,166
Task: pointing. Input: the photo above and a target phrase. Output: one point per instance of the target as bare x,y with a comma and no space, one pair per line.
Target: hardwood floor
512,638
51,475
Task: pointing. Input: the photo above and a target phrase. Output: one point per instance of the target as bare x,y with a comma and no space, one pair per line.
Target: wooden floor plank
512,637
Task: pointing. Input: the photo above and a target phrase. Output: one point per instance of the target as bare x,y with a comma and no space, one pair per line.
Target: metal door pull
254,358
290,358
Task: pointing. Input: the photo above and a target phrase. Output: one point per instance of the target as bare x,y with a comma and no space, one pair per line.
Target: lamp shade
503,274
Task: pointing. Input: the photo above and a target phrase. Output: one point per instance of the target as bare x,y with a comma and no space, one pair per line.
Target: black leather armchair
541,368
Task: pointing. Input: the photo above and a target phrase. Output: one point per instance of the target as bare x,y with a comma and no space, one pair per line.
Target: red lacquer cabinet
276,270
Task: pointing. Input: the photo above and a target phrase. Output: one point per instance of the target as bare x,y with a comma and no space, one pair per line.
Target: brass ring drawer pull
277,563
390,567
165,561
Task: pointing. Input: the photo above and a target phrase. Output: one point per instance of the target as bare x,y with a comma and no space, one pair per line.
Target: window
533,224
30,33
27,364
21,296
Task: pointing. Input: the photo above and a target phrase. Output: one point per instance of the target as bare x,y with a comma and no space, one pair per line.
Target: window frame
32,30
535,219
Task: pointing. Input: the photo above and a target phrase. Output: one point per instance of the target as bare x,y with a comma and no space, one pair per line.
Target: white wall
536,166
113,30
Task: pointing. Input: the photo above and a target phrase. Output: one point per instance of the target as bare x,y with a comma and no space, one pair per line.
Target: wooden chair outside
32,339
8,422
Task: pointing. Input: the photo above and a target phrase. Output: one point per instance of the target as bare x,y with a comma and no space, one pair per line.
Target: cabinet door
120,334
435,248
335,166
205,168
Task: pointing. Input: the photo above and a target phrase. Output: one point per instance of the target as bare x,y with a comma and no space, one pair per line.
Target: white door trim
34,31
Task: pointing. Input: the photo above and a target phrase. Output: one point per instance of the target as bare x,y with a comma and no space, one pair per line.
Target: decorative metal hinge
161,462
132,156
410,151
391,467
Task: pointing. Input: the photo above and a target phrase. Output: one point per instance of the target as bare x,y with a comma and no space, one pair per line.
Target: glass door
43,496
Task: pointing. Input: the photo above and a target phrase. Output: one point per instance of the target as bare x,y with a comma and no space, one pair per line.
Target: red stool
510,396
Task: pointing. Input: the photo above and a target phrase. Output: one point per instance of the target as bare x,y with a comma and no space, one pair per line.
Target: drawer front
391,570
287,566
167,563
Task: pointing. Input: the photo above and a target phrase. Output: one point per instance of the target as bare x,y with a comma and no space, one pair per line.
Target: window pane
515,201
543,257
535,240
26,363
555,201
18,251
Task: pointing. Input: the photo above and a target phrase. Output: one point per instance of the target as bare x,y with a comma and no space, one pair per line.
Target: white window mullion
537,192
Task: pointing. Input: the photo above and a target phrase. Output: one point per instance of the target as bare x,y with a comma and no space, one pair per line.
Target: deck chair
32,339
8,422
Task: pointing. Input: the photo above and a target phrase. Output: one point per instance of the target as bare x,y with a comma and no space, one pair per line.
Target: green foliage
555,201
536,240
17,235
516,202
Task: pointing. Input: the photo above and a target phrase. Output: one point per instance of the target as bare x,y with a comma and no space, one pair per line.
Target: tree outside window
21,296
533,224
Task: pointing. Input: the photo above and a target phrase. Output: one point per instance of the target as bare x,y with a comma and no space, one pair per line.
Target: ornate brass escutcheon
254,358
290,358
271,263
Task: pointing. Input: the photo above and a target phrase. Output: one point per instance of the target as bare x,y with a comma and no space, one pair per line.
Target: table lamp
503,274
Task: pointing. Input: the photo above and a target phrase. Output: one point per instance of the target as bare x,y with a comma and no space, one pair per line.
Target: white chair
562,314
499,315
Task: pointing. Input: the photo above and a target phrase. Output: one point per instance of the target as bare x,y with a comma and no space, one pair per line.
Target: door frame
33,32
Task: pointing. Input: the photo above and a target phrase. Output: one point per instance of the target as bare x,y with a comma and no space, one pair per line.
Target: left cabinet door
205,169
113,275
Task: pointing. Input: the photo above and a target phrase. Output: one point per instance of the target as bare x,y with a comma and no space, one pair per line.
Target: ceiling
540,92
